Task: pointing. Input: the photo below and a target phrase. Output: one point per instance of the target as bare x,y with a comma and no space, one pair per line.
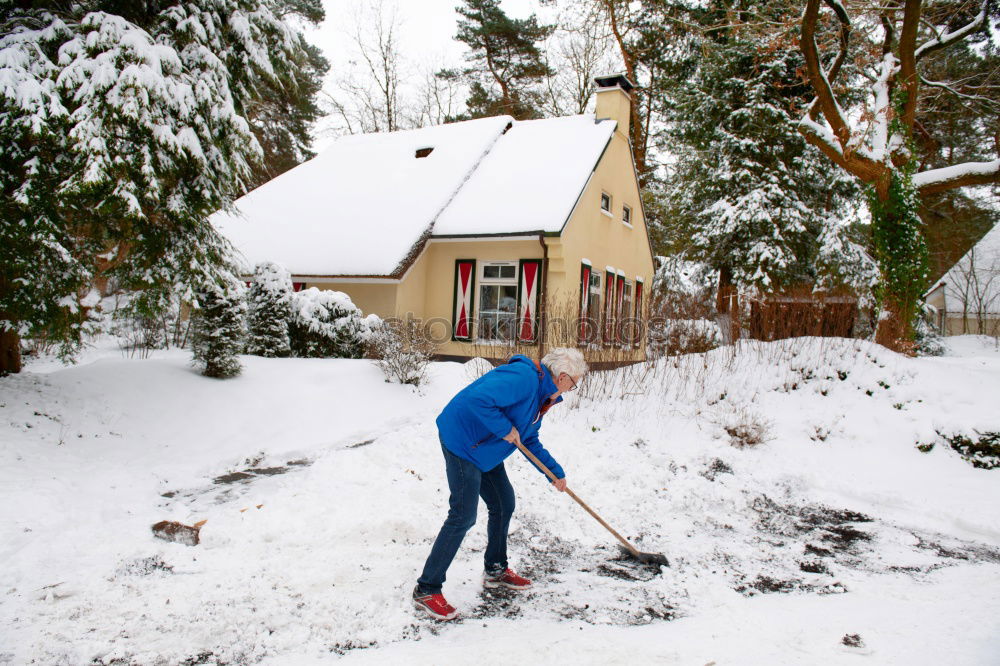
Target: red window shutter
529,286
619,315
584,302
638,313
462,306
609,307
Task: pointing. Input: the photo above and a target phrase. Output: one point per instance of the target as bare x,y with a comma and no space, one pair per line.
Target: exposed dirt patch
716,468
499,602
813,566
835,529
233,477
236,479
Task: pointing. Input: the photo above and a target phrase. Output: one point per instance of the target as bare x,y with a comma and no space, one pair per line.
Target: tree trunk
10,352
727,303
891,331
10,341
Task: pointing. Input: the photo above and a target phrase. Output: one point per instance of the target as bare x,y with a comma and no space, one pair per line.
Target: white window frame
625,309
611,203
495,281
595,289
627,215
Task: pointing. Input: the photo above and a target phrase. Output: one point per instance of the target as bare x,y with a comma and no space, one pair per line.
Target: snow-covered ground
323,487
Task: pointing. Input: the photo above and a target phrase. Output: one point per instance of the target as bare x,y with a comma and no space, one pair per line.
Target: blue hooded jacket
474,423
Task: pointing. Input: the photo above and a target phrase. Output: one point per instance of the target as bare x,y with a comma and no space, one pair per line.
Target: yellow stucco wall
440,285
956,324
371,298
602,238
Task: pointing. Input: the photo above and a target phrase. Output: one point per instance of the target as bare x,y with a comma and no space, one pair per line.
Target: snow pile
324,488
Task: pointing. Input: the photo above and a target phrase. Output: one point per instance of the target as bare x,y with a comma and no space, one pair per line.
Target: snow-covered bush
138,334
270,307
744,427
401,350
218,336
326,324
683,336
141,326
682,308
926,338
476,368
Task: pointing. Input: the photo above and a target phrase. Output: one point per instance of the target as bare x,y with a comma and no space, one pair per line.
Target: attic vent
424,152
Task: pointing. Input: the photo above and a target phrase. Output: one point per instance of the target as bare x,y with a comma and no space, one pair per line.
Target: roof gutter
542,297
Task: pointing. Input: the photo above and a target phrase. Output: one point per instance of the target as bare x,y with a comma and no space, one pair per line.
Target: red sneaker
506,578
435,605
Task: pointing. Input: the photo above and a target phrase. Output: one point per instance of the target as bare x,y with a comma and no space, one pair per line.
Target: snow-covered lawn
323,487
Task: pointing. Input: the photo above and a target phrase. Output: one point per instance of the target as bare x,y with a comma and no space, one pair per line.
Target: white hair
565,359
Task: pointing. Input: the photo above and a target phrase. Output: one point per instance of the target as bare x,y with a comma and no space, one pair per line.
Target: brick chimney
614,100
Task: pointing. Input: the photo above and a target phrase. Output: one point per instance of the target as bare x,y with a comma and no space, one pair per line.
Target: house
494,233
967,298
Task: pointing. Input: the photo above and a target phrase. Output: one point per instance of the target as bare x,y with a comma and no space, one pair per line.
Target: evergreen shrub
326,324
218,330
270,308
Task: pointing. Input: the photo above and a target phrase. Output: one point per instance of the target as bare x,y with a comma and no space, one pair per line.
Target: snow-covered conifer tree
218,335
124,126
270,307
757,202
326,324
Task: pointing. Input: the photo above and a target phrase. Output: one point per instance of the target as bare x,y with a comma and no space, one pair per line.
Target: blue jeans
467,484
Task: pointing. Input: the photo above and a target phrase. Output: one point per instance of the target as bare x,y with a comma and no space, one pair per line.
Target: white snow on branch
821,132
952,173
883,106
951,37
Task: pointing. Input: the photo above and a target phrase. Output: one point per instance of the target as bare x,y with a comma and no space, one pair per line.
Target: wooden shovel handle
533,458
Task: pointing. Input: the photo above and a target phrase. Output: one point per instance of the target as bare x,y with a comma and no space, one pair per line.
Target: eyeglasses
572,380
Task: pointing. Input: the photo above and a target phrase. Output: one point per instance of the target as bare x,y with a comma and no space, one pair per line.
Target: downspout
542,296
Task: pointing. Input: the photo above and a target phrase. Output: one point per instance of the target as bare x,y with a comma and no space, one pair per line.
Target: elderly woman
478,430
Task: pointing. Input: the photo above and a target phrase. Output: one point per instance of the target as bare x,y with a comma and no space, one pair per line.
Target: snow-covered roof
530,180
361,206
975,278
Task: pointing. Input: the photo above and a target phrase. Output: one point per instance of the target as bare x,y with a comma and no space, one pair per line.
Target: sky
428,26
427,35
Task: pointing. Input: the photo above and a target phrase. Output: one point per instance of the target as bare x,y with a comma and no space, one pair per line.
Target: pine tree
270,308
124,126
757,202
283,114
506,60
218,335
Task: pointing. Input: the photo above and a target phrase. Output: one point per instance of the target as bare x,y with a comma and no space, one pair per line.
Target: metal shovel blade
658,559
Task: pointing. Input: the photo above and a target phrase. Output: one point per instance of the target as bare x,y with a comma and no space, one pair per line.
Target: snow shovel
627,548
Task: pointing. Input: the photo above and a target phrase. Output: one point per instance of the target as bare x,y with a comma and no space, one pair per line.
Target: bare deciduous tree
974,283
439,97
579,50
367,96
875,143
869,145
